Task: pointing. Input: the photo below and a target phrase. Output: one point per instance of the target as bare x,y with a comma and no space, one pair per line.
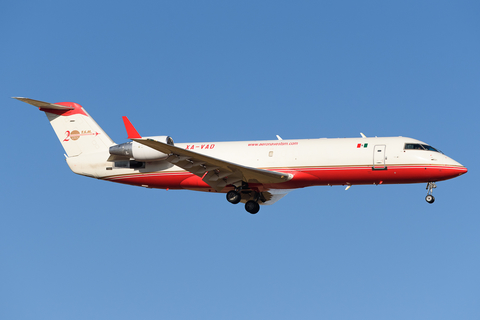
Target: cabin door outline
379,157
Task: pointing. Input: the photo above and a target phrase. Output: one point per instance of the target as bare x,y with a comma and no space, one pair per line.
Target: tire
252,206
233,196
429,198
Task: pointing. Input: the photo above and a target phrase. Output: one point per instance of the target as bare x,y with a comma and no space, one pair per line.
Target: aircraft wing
215,172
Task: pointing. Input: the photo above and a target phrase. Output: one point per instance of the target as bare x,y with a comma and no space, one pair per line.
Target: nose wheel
430,186
429,198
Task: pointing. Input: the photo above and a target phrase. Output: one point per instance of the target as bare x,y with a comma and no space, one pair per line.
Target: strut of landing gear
430,186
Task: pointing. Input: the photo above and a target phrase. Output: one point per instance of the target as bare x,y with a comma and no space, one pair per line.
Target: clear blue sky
77,248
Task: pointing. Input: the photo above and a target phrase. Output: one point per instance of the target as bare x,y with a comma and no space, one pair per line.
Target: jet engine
140,152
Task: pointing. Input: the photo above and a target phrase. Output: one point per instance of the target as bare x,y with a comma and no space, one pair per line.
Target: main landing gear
430,186
252,206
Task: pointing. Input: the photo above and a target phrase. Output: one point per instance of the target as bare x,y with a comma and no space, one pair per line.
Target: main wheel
252,206
429,198
233,196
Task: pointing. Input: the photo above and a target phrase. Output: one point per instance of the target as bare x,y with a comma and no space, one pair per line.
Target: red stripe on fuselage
304,177
367,175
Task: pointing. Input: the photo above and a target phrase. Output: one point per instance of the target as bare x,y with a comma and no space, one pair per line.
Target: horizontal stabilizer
43,105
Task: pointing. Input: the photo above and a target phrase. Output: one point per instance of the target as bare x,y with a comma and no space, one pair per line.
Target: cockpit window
418,146
413,146
427,147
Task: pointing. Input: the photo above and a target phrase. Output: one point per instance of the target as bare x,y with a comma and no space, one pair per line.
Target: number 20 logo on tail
75,134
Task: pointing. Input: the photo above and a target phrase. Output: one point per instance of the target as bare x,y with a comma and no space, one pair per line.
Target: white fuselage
324,161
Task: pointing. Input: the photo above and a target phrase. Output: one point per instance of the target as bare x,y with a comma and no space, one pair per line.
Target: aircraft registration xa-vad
252,172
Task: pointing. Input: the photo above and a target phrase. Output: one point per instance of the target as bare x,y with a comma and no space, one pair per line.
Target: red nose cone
450,172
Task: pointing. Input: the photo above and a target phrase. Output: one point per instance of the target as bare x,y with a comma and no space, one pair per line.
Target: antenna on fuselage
363,136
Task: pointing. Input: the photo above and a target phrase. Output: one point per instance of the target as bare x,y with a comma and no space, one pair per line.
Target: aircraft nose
453,168
458,169
450,172
461,169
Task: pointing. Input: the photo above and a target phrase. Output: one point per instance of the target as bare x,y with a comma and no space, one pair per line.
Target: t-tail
84,141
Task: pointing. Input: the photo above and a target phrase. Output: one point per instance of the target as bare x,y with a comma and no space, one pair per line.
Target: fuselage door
379,157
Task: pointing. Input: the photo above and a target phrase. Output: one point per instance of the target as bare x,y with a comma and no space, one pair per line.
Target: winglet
131,131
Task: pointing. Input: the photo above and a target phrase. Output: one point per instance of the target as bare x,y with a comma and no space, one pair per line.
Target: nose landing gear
430,186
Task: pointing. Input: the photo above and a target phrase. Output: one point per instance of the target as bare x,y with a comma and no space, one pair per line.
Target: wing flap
215,172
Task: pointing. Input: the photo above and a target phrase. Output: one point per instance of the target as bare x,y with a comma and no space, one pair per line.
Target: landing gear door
379,157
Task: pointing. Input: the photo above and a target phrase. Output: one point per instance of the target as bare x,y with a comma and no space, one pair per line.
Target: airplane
252,172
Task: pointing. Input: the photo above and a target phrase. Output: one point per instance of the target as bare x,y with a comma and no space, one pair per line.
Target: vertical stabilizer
77,131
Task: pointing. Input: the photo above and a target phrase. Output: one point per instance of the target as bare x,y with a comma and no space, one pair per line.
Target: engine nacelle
140,152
